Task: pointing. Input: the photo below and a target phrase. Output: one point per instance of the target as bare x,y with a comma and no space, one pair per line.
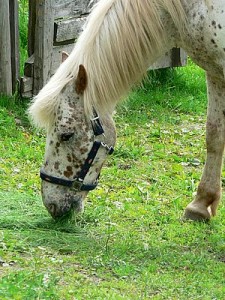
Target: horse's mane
115,48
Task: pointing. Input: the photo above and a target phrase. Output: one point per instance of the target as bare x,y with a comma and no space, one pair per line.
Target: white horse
121,39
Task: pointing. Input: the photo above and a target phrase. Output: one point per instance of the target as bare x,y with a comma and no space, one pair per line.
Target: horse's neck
121,56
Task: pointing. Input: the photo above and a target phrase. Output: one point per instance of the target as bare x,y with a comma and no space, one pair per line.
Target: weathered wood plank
27,95
5,50
65,8
66,30
57,56
56,60
29,67
44,32
14,30
26,85
178,57
164,62
174,58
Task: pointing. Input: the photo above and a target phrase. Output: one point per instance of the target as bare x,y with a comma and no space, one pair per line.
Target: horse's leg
209,190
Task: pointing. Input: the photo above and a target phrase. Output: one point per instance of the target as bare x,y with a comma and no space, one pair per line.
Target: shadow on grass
23,216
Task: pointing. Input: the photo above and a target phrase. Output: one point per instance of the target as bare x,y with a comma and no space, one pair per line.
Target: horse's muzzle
61,202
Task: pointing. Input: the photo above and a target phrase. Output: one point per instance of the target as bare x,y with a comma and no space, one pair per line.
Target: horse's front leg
209,190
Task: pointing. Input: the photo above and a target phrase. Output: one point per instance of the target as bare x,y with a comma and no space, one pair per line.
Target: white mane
116,48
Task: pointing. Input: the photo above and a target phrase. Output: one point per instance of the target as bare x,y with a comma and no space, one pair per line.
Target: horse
121,39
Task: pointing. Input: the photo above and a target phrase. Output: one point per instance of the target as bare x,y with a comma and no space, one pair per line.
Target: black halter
77,182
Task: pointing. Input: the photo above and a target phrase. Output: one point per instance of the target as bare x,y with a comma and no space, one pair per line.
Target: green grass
130,243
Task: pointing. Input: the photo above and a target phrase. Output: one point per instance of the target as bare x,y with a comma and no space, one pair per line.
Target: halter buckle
110,149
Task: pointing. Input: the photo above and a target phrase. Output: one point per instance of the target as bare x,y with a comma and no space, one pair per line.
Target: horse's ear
81,81
65,55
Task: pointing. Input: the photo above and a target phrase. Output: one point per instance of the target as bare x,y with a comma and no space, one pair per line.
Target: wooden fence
9,49
53,27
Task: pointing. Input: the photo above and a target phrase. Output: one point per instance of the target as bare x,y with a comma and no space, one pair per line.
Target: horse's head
76,148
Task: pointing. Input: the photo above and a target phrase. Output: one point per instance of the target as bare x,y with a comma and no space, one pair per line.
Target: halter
78,182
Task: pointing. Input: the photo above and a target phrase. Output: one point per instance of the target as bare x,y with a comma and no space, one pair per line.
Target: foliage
23,31
130,243
23,20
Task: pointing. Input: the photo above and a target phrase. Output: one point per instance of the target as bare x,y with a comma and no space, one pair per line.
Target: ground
131,241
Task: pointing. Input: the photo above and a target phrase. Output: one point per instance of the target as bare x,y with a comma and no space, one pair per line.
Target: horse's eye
66,136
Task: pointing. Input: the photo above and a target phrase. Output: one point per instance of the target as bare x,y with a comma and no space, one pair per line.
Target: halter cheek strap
77,182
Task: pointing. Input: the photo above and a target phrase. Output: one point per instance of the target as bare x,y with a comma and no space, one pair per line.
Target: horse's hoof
197,213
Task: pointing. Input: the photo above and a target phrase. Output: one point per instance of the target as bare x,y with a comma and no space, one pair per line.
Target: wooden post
5,50
176,57
44,34
14,33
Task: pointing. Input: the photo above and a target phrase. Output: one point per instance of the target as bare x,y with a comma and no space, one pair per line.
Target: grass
130,243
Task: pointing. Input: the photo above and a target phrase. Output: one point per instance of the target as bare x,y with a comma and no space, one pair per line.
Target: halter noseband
78,182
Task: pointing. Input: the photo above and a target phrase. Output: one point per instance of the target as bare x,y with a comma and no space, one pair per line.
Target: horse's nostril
52,209
57,211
